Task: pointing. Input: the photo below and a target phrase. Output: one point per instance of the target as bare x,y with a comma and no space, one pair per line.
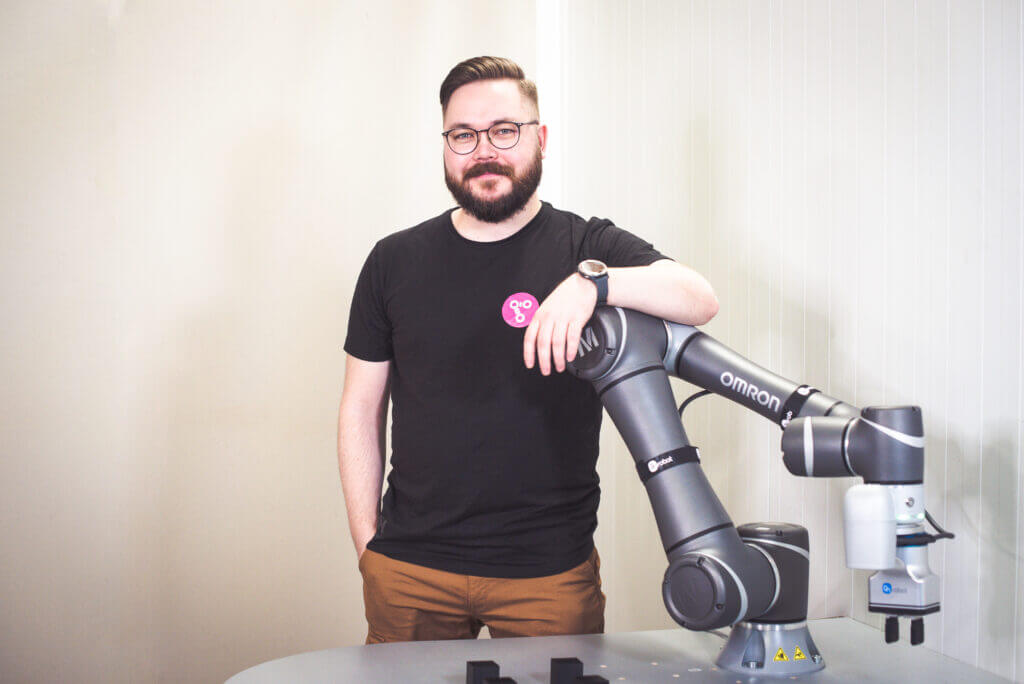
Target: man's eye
462,136
505,130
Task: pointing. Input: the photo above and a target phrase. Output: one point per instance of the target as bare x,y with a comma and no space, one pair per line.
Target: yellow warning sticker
798,654
780,656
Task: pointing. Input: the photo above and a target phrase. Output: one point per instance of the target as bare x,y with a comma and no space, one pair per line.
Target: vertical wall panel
900,293
1000,341
790,248
1018,165
931,193
965,291
756,300
843,231
816,266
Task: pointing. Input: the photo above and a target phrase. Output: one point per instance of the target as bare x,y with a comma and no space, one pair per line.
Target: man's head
492,181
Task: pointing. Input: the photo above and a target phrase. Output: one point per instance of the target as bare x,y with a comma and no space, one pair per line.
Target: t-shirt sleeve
605,241
369,328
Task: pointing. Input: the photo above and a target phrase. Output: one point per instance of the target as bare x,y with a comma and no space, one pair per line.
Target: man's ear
542,137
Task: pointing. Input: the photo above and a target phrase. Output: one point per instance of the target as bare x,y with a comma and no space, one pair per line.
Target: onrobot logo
886,588
655,466
762,397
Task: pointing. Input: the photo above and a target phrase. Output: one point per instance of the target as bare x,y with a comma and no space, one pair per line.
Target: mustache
488,167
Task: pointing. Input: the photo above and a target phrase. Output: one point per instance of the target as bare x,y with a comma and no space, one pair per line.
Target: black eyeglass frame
519,134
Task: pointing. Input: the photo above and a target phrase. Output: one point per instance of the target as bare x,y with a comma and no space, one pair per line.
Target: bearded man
466,322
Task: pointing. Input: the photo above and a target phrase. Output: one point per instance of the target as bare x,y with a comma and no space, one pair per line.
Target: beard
500,208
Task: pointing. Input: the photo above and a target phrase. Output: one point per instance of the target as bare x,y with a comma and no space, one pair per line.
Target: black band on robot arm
791,407
669,459
627,376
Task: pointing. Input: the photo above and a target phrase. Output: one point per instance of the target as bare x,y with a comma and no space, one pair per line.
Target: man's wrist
596,272
587,282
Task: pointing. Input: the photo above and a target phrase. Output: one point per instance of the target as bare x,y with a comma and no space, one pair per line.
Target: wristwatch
596,272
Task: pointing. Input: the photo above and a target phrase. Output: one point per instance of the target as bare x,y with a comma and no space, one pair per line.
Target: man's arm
361,440
664,289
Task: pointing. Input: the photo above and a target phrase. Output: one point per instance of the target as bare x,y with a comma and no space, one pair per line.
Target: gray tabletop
853,652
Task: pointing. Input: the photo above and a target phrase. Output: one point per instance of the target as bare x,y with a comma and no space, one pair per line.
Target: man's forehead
482,103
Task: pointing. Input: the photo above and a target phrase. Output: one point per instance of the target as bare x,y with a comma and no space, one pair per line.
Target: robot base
770,650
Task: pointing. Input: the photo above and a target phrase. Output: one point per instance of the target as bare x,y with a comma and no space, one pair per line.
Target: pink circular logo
518,309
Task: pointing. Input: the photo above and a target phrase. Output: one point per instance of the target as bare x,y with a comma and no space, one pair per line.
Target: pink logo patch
518,309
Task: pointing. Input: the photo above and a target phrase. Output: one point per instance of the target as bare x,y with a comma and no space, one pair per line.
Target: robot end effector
884,518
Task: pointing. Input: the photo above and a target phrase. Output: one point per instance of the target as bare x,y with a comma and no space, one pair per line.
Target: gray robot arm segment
714,579
703,361
822,436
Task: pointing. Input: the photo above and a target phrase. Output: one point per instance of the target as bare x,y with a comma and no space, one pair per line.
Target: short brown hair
486,69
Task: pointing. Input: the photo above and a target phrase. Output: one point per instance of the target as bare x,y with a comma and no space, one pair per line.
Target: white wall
187,191
848,176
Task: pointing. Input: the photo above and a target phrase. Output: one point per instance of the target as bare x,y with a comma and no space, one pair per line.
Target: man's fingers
572,339
529,340
544,348
558,345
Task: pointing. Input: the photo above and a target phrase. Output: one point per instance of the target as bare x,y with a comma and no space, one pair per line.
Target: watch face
592,268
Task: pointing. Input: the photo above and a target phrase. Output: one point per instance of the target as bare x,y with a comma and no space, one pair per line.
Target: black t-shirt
493,464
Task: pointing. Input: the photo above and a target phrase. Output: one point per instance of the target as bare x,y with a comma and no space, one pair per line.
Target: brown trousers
407,602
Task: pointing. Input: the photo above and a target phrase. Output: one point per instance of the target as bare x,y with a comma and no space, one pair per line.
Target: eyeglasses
502,135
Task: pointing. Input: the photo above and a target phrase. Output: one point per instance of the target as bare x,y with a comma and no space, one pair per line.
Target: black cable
942,534
698,395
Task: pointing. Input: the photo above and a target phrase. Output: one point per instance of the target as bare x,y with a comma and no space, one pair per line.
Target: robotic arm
755,577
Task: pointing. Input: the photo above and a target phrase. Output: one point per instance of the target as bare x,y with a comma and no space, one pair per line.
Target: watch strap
601,282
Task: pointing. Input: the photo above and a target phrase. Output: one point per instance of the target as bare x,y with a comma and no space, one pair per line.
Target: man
492,499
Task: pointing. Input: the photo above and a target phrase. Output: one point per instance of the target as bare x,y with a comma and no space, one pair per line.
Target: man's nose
484,148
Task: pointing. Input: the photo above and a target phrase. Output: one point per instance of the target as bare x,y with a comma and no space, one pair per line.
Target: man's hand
554,332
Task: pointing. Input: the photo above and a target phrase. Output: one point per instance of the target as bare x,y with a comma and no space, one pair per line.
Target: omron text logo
745,389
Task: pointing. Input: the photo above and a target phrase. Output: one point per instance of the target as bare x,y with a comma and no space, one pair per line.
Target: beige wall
187,191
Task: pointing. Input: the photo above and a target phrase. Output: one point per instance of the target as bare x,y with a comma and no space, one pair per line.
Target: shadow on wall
986,518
